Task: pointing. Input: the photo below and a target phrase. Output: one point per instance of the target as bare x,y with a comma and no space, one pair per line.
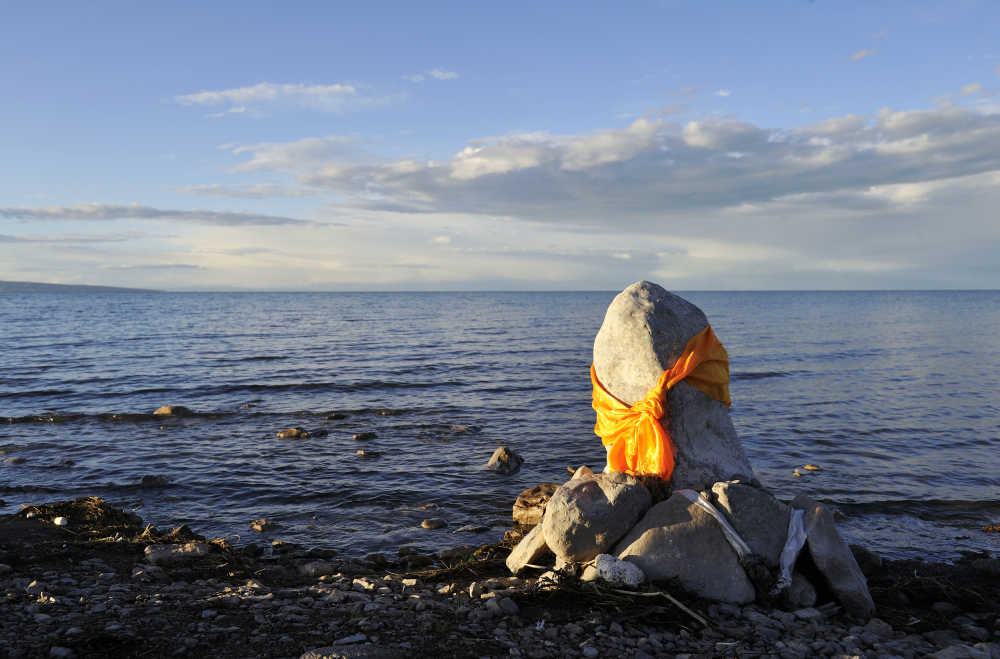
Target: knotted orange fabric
636,441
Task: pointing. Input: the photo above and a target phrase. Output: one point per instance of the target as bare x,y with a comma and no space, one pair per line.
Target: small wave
758,375
37,393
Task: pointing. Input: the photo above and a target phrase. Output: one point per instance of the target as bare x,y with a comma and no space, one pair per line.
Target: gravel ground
105,585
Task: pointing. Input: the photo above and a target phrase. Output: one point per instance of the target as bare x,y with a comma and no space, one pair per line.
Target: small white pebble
60,521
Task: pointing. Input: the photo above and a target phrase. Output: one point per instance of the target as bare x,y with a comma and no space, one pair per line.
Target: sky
501,146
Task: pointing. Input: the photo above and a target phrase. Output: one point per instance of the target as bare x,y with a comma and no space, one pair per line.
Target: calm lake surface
895,394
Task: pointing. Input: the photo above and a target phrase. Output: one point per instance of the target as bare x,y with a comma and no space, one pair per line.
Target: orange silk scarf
636,441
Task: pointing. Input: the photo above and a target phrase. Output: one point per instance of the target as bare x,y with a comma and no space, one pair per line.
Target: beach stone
160,554
678,540
644,331
759,518
504,461
615,571
834,559
530,504
801,593
587,515
531,549
173,410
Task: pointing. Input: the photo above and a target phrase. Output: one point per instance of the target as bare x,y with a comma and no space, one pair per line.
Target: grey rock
834,559
644,331
531,549
959,651
504,461
318,568
161,554
759,518
676,539
801,593
433,523
586,516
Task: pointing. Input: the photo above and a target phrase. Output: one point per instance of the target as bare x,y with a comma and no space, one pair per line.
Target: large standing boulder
587,515
758,518
677,539
645,329
834,558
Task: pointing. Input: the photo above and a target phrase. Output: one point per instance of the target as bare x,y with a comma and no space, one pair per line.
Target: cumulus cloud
102,212
247,191
971,88
861,54
652,170
723,92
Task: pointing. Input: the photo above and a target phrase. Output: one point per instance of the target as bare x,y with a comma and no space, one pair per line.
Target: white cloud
301,154
104,212
247,190
441,74
437,74
861,54
441,240
723,92
971,88
326,98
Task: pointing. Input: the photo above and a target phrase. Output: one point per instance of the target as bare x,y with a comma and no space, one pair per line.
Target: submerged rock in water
677,539
293,433
587,515
365,435
433,523
504,461
531,503
173,410
644,331
153,481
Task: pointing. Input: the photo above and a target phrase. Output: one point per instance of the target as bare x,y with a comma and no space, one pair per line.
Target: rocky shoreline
105,584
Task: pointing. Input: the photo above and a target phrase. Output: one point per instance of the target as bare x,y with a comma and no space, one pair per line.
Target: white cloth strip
735,541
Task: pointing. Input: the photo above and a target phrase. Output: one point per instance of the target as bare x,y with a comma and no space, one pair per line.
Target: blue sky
370,146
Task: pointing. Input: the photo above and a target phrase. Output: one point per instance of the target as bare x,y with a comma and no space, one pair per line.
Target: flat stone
676,539
504,461
758,518
644,331
531,549
587,515
530,503
834,559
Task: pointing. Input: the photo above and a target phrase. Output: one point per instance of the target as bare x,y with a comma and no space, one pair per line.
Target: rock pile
720,535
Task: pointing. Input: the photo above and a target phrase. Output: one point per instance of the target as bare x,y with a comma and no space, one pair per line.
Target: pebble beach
106,584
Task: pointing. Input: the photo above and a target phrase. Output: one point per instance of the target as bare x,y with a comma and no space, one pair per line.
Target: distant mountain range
36,287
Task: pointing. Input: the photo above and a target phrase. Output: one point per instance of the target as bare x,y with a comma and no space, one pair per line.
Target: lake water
895,394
